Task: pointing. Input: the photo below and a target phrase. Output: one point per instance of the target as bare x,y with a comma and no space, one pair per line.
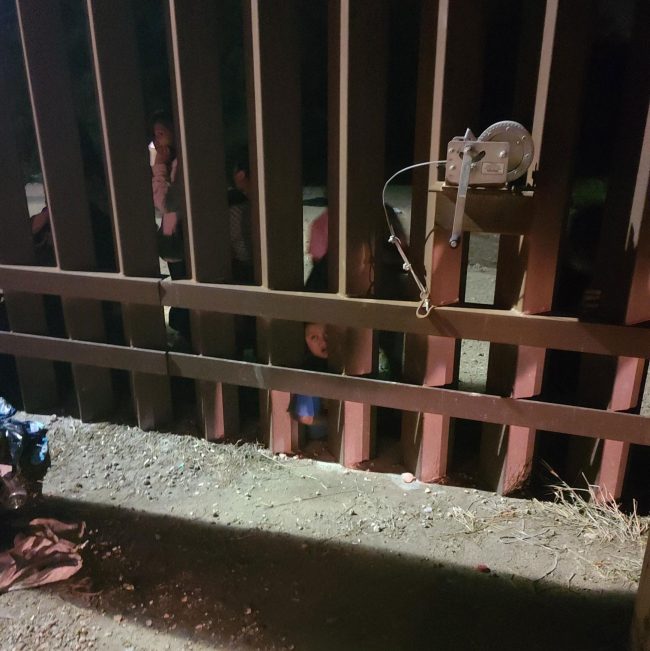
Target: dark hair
160,117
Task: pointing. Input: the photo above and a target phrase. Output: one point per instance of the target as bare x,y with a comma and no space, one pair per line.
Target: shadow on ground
265,590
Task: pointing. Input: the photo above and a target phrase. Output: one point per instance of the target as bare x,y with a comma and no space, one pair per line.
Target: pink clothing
318,237
163,177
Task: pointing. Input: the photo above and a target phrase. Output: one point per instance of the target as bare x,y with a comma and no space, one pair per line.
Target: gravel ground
193,545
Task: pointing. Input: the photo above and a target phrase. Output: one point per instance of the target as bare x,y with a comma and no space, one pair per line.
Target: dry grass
469,520
595,513
612,540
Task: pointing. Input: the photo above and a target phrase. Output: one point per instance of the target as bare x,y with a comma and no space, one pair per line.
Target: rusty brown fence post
605,382
559,87
274,97
428,360
448,102
507,453
129,188
25,312
61,163
194,59
555,125
357,100
620,257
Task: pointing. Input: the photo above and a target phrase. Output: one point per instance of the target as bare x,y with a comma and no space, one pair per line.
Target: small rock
483,568
408,477
148,622
117,618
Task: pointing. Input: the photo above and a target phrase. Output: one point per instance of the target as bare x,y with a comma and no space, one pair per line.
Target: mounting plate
489,162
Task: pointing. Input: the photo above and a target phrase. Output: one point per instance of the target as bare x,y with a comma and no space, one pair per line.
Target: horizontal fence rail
499,326
567,419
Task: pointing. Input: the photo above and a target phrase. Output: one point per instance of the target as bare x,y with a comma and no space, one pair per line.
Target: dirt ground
196,545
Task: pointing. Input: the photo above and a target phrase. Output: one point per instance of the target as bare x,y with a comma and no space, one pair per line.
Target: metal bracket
477,163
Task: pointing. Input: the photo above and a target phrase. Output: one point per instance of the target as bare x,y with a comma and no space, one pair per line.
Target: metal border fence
519,326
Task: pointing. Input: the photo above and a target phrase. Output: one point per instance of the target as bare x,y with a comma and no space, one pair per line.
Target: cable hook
424,309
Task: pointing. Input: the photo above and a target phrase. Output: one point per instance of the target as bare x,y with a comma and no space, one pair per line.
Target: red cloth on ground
42,555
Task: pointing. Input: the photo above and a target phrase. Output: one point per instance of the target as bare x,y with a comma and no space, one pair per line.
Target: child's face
242,181
316,338
163,136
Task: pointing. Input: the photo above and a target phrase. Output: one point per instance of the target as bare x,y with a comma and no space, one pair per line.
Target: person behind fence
239,217
164,169
310,410
241,249
164,166
392,281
